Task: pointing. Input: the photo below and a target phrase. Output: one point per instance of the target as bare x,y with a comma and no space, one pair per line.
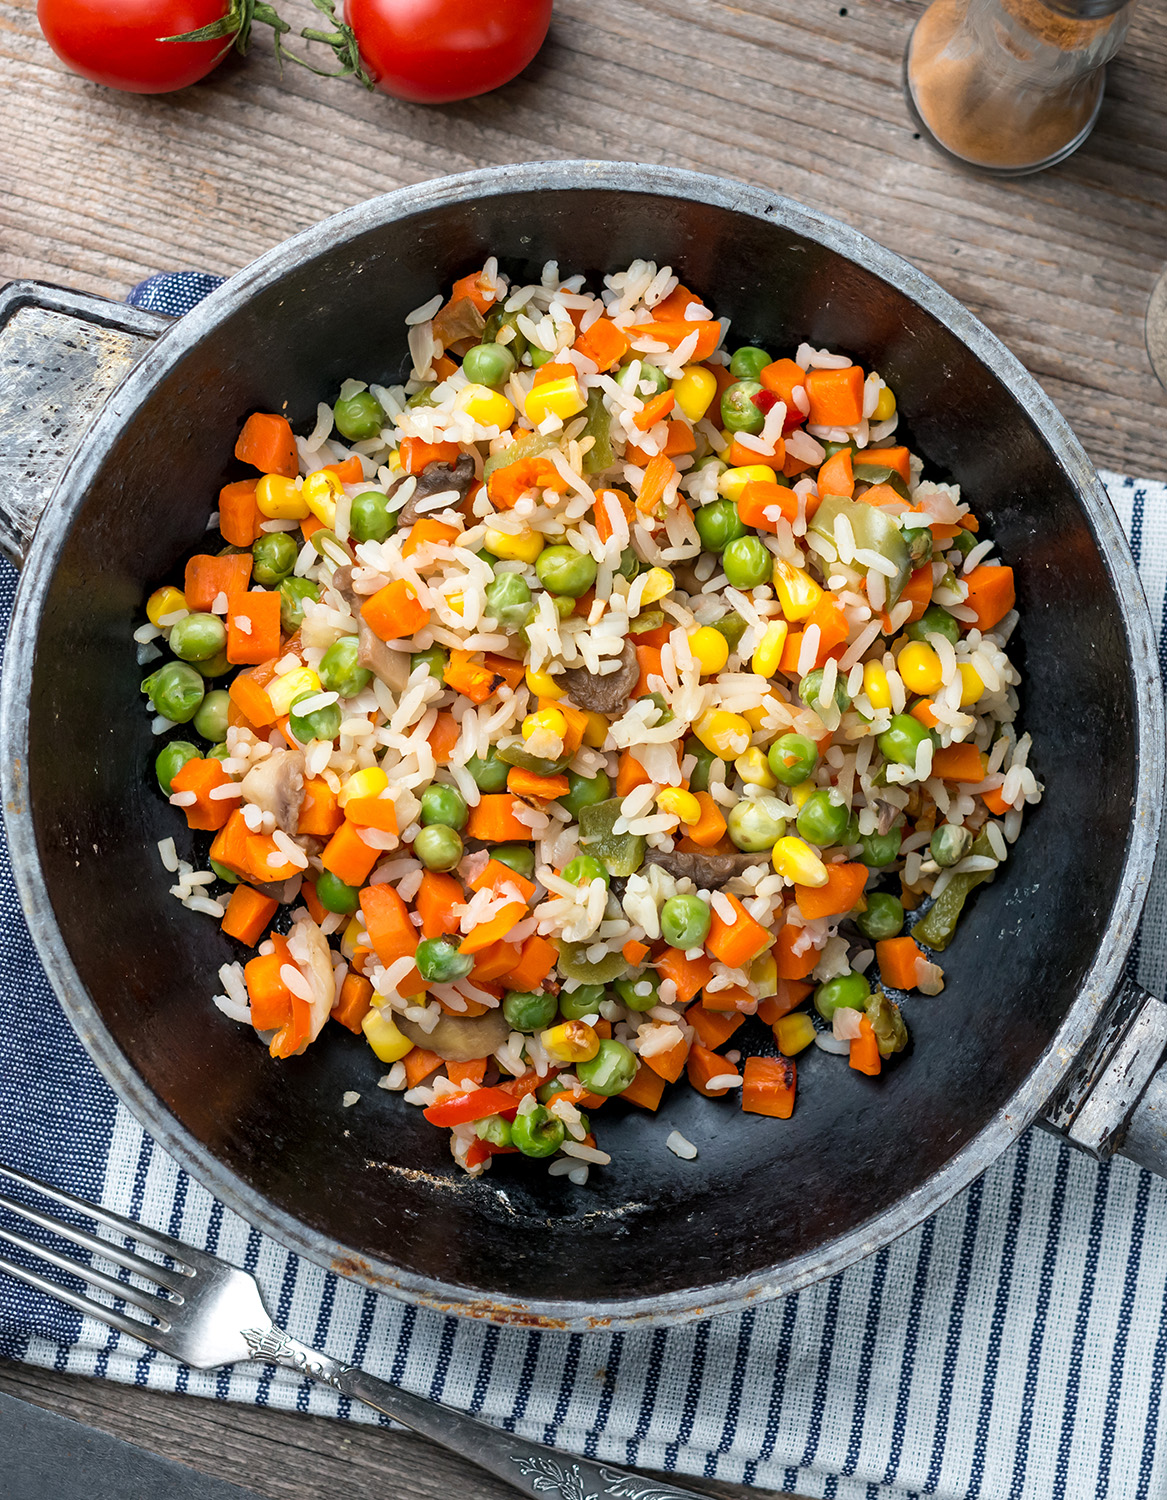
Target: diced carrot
768,1085
828,615
391,933
267,444
229,846
704,1064
270,998
443,737
602,1028
649,660
206,577
880,495
836,397
654,410
372,812
996,803
960,763
528,784
736,944
444,367
781,379
419,1064
554,370
538,959
437,896
312,901
496,876
897,961
792,467
577,723
505,667
646,1089
348,856
835,475
898,459
493,821
579,1097
760,496
266,861
918,592
671,1064
741,454
710,827
354,1002
494,962
247,915
865,1056
319,813
201,777
415,454
679,438
791,994
473,1071
713,1028
395,612
601,518
674,332
427,531
239,517
734,997
659,474
634,953
253,627
495,930
252,701
603,343
793,965
844,887
629,774
791,651
676,304
349,471
510,482
925,712
295,1034
990,593
466,676
688,974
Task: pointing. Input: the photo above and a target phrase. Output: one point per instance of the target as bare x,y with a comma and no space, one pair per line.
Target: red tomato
435,51
118,42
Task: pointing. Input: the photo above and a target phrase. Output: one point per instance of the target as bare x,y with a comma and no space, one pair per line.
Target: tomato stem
235,27
342,40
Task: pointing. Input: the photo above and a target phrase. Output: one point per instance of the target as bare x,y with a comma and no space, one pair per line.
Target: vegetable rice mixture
600,707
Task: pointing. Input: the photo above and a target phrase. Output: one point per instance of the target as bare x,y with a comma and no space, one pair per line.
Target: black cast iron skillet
767,1205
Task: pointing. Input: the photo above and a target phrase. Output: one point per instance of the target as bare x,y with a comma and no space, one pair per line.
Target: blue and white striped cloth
1013,1347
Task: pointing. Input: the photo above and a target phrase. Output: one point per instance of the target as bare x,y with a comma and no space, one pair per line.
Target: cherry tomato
435,51
118,42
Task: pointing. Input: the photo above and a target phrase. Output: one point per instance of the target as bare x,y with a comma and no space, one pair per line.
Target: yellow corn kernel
322,489
768,651
283,691
384,1038
802,793
350,938
733,481
596,730
796,861
486,407
513,546
764,975
682,804
793,1033
875,685
543,685
545,721
756,717
710,649
456,602
972,686
723,733
370,782
279,499
920,668
657,583
394,461
753,767
695,391
570,1042
555,398
885,407
164,602
797,591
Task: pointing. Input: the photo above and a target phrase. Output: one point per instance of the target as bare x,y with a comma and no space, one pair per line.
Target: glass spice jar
1011,86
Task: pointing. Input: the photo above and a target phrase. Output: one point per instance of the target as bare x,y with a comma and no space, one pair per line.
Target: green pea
666,715
563,570
756,823
584,791
821,821
517,857
900,741
699,775
438,847
339,671
611,1070
198,637
529,1012
489,773
423,396
219,752
320,724
564,606
880,849
739,413
851,832
214,667
538,1132
224,874
583,869
851,991
747,562
884,917
273,557
370,519
651,375
439,962
488,364
934,621
540,357
639,991
494,1130
964,542
434,658
443,806
508,600
949,844
792,758
748,362
718,524
176,691
335,894
684,921
812,685
574,1005
359,417
293,593
171,759
210,718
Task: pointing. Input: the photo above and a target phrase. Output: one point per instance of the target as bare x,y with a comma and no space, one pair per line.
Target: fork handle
527,1467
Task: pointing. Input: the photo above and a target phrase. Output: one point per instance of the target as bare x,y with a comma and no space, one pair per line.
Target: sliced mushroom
276,786
309,947
392,667
435,478
458,323
685,578
459,1038
608,694
707,871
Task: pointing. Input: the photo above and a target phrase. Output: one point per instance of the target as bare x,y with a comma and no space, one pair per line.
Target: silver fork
209,1313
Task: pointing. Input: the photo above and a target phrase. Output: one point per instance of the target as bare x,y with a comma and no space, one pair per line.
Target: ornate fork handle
530,1468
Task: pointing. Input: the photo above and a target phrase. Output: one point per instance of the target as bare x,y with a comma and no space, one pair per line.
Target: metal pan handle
62,353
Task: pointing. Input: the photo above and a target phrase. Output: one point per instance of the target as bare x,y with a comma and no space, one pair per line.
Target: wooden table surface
98,190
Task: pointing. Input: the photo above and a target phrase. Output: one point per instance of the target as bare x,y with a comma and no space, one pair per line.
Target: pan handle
1117,1098
61,355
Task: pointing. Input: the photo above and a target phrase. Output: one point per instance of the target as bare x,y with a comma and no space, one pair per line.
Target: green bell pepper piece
619,853
599,426
937,927
873,531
